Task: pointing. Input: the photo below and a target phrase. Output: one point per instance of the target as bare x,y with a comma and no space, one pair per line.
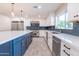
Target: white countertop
6,36
71,39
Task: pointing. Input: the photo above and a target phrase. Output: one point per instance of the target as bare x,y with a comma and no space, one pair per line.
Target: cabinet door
17,47
65,49
29,39
6,49
24,44
50,43
41,33
62,48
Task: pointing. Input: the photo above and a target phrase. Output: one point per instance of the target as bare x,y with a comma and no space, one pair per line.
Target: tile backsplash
74,31
40,28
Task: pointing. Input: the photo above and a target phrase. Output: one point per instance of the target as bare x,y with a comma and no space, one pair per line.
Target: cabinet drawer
65,53
66,45
50,43
65,49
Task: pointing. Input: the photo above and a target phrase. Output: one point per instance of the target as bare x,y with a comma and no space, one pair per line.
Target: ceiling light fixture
37,7
12,11
21,14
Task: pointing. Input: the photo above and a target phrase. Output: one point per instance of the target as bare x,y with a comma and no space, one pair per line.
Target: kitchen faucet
60,31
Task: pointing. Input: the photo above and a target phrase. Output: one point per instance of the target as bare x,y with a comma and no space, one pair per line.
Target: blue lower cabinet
17,46
24,44
6,49
29,39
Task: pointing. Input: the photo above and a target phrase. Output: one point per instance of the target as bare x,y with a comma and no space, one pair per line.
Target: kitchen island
14,43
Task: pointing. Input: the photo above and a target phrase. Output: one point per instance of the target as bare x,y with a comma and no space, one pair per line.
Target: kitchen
39,29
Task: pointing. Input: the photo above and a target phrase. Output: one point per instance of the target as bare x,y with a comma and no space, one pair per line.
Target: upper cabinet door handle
66,47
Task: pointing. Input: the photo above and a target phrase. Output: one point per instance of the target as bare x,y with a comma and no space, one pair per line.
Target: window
68,24
62,22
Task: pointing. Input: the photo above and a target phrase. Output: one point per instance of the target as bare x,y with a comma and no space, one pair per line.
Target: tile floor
38,47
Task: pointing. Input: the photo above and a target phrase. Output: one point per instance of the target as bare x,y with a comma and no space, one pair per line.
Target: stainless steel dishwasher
47,38
56,46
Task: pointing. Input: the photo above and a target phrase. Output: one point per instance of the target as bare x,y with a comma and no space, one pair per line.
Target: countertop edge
7,40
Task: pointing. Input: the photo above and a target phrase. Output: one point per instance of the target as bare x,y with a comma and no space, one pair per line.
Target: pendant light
21,14
12,10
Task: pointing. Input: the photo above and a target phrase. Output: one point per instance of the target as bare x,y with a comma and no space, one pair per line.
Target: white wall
61,10
4,23
51,19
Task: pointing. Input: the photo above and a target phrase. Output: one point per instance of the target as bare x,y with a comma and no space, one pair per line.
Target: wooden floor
38,47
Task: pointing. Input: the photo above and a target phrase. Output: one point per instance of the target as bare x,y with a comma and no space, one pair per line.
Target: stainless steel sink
55,32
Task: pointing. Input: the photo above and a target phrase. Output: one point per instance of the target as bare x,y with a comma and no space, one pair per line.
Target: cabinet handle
66,53
66,47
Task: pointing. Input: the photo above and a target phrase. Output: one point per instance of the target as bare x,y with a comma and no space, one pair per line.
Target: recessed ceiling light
37,7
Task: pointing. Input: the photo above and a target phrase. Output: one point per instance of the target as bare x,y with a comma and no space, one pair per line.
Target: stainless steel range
35,33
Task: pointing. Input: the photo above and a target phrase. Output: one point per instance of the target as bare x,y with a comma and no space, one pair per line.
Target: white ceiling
28,10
